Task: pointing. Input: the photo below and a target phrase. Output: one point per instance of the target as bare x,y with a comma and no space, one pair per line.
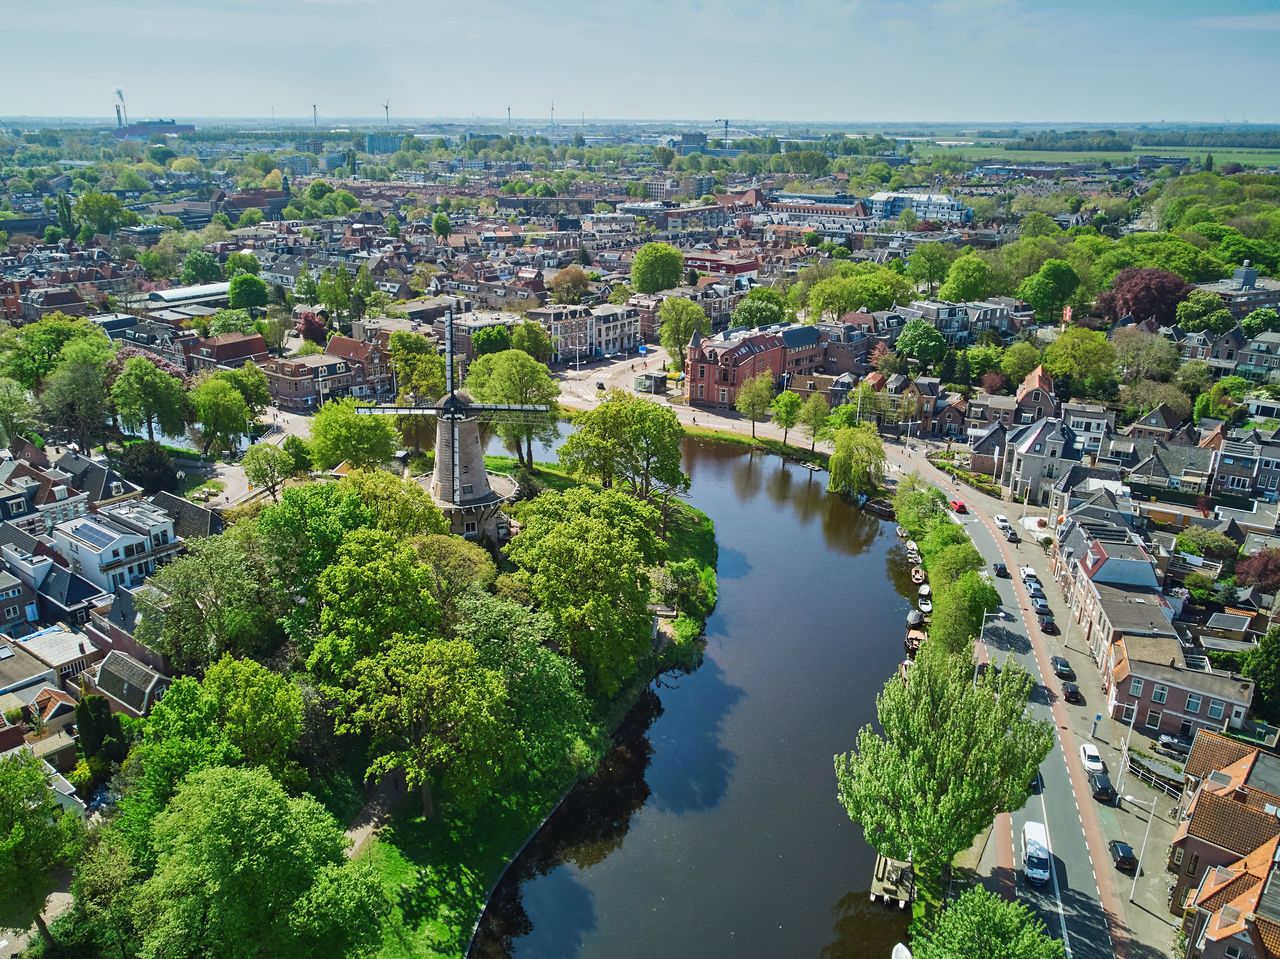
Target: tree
514,377
678,320
38,839
1202,541
150,466
754,398
29,353
200,267
813,418
334,291
921,340
628,441
1038,224
231,321
1203,310
268,466
923,789
835,296
951,562
242,261
656,267
958,610
968,279
16,409
247,292
928,264
299,451
980,923
584,555
441,226
757,313
569,285
66,217
491,339
250,217
74,397
243,869
532,337
1049,288
256,710
1262,665
275,330
1193,377
1145,294
453,567
1085,356
103,887
145,395
1143,356
1264,320
341,435
222,414
785,411
103,213
857,461
251,383
313,328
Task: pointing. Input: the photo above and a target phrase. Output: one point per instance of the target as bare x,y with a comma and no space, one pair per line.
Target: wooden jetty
893,882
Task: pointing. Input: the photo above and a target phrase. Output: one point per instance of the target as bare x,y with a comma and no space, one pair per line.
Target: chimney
119,122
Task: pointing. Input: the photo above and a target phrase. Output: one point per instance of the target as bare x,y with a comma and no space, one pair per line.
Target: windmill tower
468,494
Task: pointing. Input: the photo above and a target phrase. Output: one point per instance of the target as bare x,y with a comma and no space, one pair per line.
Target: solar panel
95,535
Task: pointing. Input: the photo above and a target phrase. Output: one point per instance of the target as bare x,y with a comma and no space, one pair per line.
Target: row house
1260,359
372,358
569,325
41,302
1162,423
119,546
615,328
716,366
305,383
1033,400
1234,912
1090,421
164,341
227,351
1220,351
1158,463
949,319
34,499
1035,455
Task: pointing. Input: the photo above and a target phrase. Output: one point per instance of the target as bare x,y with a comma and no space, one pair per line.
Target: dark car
1100,786
1061,668
1122,855
1047,625
1001,570
1071,693
600,384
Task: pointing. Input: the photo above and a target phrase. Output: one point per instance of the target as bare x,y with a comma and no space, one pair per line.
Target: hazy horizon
1014,61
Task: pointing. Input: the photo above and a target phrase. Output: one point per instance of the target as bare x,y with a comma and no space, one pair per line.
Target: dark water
713,829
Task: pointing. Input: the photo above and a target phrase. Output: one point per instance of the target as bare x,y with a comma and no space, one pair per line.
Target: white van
1036,862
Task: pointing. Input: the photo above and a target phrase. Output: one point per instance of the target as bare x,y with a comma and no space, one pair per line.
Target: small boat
924,591
914,559
912,547
917,575
902,669
915,639
915,618
902,532
926,605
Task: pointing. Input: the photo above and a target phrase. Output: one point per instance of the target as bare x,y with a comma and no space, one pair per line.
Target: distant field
987,151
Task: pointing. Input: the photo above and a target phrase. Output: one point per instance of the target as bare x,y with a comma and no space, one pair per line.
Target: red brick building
716,366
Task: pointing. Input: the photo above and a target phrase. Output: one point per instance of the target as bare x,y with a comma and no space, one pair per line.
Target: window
1233,952
1193,703
469,527
1135,687
468,489
1216,709
1177,856
724,395
1159,693
11,613
1153,719
1192,864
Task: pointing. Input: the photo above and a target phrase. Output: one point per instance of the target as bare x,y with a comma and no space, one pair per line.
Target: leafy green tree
515,377
678,320
103,213
268,466
441,226
785,411
453,566
434,712
570,285
102,890
334,290
1203,310
145,395
968,279
247,292
812,239
74,397
532,337
629,442
230,321
1143,356
929,263
299,451
754,398
877,289
221,412
200,267
149,465
1262,665
1049,288
38,839
242,261
243,869
958,610
16,409
857,462
29,353
980,923
251,383
757,313
1265,320
921,341
1038,224
1202,541
491,339
99,729
250,217
813,418
923,789
656,267
1086,356
339,434
1019,360
66,216
394,505
258,711
951,562
584,555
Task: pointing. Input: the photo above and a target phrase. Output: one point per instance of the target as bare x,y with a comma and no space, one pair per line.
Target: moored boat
902,532
917,575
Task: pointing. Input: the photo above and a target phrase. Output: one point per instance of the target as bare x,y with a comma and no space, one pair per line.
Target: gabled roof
190,520
1230,824
93,478
1037,379
127,680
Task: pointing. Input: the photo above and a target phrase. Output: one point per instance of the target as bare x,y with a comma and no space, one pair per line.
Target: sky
1104,61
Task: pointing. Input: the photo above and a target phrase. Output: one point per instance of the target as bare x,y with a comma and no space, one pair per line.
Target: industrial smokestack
119,122
119,92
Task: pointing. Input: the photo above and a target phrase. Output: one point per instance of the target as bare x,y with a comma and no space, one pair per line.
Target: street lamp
1142,854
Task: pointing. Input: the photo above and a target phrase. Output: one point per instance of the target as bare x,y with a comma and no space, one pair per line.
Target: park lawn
760,442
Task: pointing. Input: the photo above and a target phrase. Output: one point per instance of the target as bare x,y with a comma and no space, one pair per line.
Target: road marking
1053,875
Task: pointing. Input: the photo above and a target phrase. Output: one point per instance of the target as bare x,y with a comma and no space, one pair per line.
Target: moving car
1041,606
1071,693
1100,786
1035,853
1047,625
958,506
1002,521
600,384
1061,668
1122,855
1091,758
1001,570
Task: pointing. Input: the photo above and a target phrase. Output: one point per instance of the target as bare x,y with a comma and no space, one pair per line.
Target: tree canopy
656,267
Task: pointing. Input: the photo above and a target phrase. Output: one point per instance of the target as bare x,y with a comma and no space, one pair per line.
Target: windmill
461,486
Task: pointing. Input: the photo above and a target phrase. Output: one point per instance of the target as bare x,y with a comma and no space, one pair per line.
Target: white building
119,546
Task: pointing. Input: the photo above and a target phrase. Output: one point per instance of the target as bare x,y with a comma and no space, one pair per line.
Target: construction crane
386,108
726,131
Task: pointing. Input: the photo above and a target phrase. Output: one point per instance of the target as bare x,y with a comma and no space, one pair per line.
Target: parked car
1100,786
1061,668
600,385
1035,589
1001,570
1071,693
1028,574
1041,606
1011,535
1047,625
1002,521
1174,744
1122,855
958,506
1091,758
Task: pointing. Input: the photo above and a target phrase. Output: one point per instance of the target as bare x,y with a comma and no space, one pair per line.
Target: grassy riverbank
789,450
439,873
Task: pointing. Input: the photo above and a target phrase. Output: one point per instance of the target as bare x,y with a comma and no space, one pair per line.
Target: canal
712,829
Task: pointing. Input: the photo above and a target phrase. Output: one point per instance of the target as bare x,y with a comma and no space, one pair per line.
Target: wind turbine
386,108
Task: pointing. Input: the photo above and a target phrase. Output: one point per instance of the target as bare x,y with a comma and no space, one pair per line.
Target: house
65,651
373,360
1035,456
95,477
1154,464
20,670
120,546
130,686
61,595
716,366
1090,422
1161,423
41,302
190,520
113,622
1234,912
304,383
1220,351
228,351
1245,291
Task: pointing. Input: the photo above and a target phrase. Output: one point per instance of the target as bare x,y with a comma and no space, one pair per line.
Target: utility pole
315,118
508,121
